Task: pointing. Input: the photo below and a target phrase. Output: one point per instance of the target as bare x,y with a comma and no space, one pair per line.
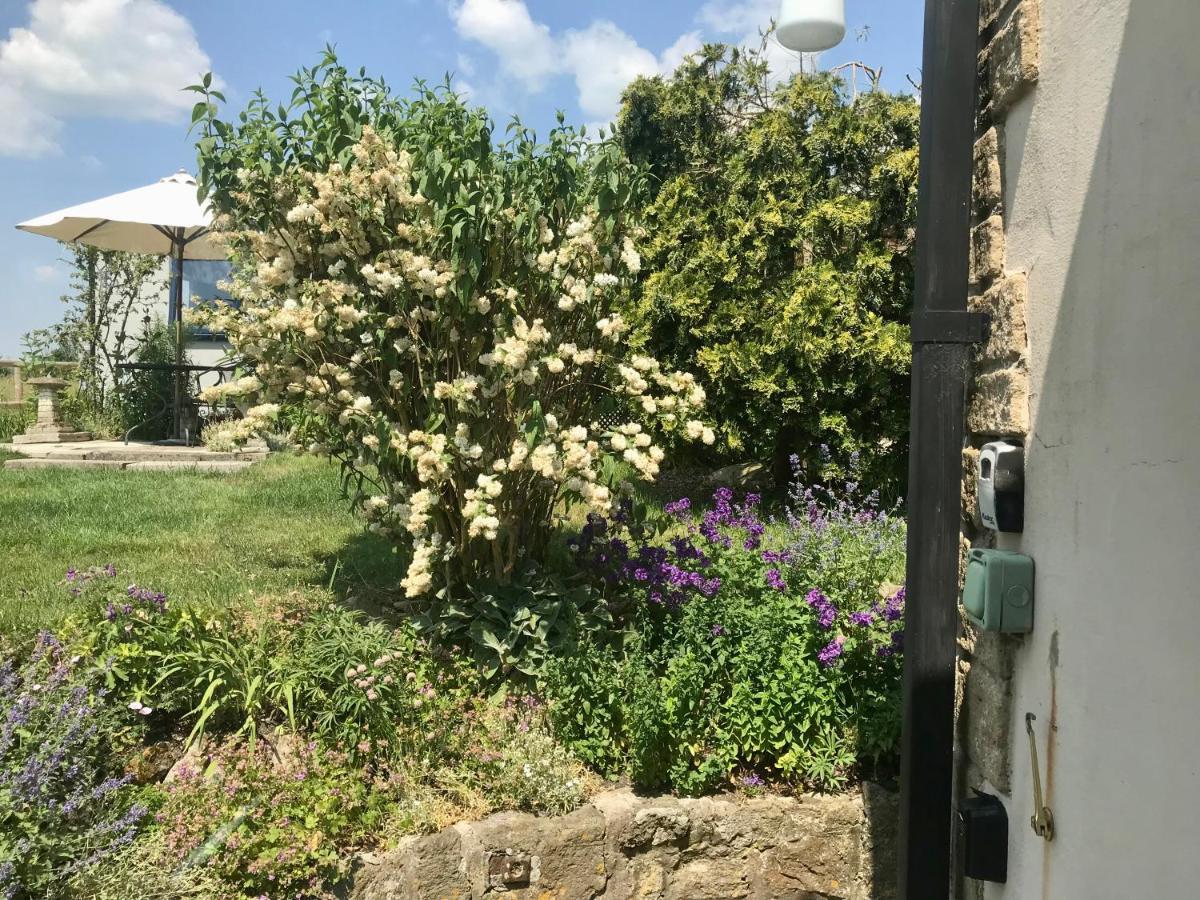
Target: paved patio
133,456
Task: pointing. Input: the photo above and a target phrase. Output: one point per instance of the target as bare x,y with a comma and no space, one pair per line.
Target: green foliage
63,807
327,672
444,306
142,393
763,645
146,871
512,630
14,420
778,258
588,713
267,824
105,309
374,690
533,772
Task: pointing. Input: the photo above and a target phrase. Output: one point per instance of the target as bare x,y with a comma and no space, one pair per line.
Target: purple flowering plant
61,809
773,640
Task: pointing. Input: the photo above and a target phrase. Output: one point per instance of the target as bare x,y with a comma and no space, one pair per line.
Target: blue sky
89,103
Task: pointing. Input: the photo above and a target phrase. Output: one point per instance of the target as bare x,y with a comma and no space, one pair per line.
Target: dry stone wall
622,846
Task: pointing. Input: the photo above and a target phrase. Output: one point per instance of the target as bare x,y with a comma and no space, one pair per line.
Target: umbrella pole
177,301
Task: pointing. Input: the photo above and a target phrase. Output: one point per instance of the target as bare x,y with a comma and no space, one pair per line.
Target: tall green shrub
445,307
777,262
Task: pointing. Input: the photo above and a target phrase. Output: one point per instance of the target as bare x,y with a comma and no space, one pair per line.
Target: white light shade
811,25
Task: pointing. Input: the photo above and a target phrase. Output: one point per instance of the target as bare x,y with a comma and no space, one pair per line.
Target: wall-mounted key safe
1001,486
998,595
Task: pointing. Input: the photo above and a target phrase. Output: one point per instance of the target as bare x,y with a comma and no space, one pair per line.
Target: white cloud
47,273
523,47
125,59
601,58
669,59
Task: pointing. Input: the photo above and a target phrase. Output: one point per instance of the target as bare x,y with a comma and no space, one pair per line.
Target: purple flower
718,631
823,607
679,508
830,652
775,580
752,781
862,618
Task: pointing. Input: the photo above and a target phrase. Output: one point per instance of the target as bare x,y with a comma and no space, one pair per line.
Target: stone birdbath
49,428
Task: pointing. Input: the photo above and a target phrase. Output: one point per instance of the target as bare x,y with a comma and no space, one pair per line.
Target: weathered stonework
1000,403
988,188
988,708
987,249
1013,56
1004,302
662,848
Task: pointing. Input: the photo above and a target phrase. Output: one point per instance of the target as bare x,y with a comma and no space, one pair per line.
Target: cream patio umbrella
165,218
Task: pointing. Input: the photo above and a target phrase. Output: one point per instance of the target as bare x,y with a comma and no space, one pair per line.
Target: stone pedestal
49,428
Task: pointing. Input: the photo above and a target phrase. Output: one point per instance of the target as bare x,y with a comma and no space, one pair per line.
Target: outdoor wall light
811,25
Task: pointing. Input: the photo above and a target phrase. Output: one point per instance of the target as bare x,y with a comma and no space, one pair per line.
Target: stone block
987,250
50,435
1005,303
709,879
970,501
989,11
1000,403
988,711
1013,56
988,188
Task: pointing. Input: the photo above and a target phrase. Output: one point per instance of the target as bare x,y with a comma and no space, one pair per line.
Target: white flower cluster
468,397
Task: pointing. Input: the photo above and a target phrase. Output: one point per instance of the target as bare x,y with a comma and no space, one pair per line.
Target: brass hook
1042,820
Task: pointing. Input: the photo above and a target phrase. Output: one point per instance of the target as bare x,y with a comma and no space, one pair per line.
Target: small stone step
152,454
48,463
220,465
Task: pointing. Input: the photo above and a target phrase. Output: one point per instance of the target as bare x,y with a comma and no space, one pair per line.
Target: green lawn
280,526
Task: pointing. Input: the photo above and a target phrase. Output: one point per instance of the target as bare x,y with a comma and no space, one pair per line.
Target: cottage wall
1085,253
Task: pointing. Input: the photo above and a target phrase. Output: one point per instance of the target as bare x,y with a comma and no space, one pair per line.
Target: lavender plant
62,810
759,644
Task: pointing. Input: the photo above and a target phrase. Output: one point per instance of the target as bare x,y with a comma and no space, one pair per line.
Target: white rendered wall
1102,185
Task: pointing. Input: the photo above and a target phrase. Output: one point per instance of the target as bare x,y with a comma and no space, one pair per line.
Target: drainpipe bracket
949,326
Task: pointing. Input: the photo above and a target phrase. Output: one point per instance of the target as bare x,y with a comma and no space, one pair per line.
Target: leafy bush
533,772
513,630
768,645
14,420
62,809
375,690
145,870
444,306
778,254
142,393
326,672
267,824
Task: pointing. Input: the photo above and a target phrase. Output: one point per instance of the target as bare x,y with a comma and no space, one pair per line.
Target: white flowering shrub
443,309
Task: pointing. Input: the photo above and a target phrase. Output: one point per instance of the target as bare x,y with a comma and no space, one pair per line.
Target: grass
278,527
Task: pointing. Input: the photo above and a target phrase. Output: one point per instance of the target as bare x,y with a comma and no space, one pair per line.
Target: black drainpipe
942,332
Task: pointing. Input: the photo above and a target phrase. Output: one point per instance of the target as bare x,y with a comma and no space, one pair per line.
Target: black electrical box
983,838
